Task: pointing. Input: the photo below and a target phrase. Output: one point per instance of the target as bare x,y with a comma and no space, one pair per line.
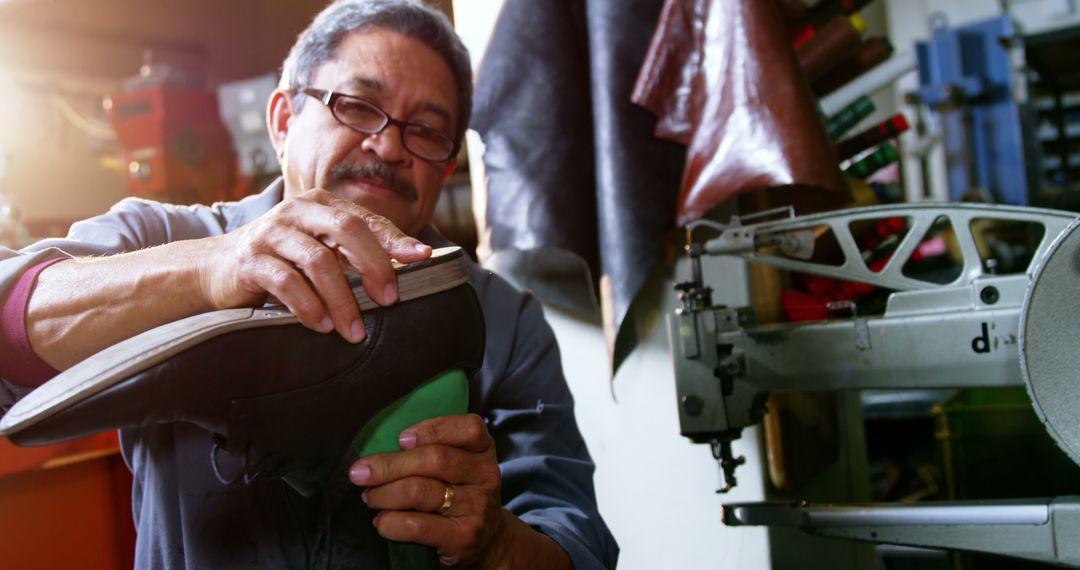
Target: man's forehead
361,83
383,62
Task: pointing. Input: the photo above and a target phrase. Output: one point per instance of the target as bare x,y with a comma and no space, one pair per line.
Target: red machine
175,145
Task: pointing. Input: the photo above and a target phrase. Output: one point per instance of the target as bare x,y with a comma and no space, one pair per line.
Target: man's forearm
83,305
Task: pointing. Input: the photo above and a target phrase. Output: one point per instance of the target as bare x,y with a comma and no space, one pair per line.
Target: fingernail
363,496
326,325
421,247
389,294
407,440
357,330
359,474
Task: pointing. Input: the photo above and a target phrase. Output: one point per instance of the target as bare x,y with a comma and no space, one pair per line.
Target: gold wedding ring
447,500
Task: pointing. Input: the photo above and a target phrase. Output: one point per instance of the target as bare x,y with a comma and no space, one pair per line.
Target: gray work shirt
186,518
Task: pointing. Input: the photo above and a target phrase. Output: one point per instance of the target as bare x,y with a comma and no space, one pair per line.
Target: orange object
175,146
66,505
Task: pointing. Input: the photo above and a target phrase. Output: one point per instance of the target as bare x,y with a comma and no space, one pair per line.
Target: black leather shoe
285,399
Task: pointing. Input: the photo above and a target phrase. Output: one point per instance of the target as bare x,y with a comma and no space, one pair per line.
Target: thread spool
884,155
848,117
831,44
874,135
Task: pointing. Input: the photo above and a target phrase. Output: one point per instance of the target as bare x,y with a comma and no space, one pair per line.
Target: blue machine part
966,75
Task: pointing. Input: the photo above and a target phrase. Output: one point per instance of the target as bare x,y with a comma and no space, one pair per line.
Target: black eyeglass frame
330,98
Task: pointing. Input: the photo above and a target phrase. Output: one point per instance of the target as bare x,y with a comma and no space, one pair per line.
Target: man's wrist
523,547
200,263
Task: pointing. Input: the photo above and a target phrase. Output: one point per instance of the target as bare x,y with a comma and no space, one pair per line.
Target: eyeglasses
363,116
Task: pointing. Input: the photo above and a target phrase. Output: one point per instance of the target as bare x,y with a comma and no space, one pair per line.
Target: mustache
378,172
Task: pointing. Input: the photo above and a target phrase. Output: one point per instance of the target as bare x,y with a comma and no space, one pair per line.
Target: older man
373,102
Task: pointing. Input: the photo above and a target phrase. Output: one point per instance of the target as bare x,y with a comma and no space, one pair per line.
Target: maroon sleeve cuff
20,364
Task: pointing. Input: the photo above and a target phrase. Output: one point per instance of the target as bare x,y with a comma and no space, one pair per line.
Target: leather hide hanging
723,79
573,165
571,162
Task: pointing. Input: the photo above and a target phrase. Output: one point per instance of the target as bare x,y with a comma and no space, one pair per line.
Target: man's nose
387,144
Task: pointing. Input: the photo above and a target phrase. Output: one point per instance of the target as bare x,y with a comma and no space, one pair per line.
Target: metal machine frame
959,334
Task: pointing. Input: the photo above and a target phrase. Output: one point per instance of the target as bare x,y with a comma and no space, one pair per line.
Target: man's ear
449,169
279,112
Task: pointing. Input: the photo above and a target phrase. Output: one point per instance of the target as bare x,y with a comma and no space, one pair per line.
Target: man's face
407,80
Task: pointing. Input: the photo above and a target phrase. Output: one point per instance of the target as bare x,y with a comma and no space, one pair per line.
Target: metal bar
1033,529
921,218
1013,512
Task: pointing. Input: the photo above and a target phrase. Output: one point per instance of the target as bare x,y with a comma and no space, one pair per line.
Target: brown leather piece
723,79
669,81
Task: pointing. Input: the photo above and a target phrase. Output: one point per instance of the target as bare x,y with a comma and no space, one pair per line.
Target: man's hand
294,253
410,486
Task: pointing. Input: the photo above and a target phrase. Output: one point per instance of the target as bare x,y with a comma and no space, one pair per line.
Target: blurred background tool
243,110
968,77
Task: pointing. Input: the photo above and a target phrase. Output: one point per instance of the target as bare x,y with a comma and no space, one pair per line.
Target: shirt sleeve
21,365
547,473
13,265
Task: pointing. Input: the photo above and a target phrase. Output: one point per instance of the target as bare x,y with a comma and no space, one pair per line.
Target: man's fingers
400,245
367,240
422,528
433,461
330,220
283,281
397,243
385,239
322,268
419,494
455,538
347,229
466,431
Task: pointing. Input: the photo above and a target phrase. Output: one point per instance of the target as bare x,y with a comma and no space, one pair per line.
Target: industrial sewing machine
1004,313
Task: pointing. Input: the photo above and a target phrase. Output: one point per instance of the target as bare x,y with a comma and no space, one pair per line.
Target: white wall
655,489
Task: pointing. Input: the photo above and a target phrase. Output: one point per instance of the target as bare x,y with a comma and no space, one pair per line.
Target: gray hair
319,42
